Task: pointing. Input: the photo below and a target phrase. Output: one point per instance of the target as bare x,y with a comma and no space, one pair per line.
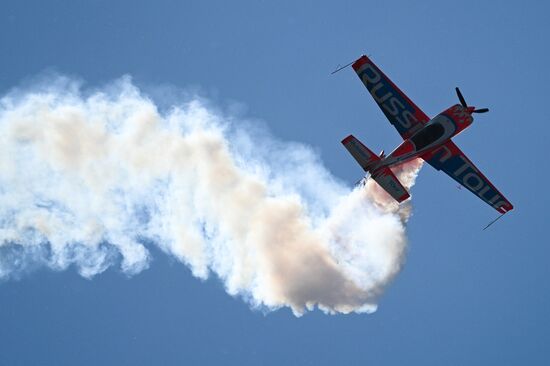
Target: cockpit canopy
427,135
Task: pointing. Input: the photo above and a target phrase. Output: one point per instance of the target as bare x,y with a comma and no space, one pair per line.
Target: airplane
429,139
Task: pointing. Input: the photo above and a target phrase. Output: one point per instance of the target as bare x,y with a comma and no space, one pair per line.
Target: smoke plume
92,179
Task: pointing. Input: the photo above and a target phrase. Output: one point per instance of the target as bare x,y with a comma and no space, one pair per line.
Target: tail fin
383,175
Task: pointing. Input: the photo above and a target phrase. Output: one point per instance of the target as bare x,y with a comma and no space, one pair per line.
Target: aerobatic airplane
429,139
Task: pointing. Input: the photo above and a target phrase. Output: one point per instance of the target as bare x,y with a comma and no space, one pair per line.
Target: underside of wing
450,159
402,113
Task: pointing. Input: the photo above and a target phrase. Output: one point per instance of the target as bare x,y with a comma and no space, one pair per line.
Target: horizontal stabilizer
381,175
387,180
360,152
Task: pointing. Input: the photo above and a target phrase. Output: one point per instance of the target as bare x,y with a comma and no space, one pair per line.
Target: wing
452,161
406,117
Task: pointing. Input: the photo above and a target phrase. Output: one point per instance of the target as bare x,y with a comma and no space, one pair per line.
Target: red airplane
429,139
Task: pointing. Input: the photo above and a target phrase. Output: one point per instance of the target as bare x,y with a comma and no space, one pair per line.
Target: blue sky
465,296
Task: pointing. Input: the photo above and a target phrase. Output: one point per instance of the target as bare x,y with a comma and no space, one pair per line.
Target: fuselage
436,132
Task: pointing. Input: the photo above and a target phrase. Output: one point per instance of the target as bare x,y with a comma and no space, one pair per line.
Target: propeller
481,110
463,102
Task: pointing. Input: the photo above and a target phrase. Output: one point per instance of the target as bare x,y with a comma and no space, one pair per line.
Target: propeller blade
461,98
482,110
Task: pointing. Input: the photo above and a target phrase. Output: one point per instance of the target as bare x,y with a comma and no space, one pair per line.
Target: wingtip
505,208
404,197
347,139
360,62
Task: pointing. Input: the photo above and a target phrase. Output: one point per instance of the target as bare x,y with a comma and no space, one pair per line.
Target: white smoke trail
90,179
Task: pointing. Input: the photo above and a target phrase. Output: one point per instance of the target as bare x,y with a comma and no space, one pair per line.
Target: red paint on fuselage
461,118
